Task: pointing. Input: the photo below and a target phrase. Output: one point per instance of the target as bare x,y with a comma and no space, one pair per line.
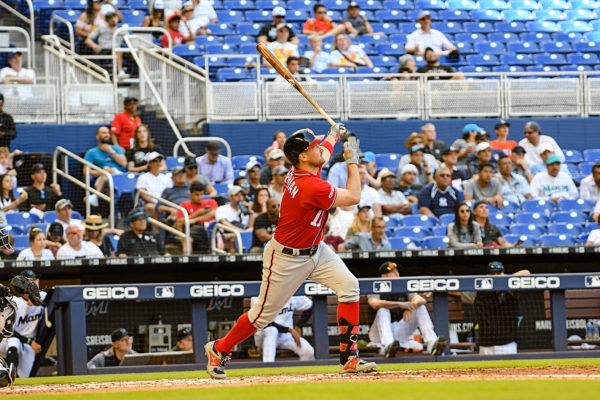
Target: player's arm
336,132
351,194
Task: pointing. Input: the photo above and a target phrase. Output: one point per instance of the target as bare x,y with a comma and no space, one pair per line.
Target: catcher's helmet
8,373
299,142
8,314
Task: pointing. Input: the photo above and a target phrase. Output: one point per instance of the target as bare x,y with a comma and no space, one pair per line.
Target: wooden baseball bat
283,71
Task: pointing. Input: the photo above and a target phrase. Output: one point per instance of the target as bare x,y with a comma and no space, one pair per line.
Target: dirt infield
555,373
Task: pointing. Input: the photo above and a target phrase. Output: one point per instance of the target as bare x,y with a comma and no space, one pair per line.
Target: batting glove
339,131
351,150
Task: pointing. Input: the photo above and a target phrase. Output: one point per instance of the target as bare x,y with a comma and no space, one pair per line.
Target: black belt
300,252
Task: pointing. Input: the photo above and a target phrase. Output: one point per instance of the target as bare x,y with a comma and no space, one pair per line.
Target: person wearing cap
590,185
502,143
484,187
200,211
370,161
498,314
515,187
138,242
553,184
276,158
124,124
76,247
40,197
439,197
546,150
361,222
122,343
520,166
153,182
533,141
156,18
173,23
424,169
187,27
190,167
317,57
8,130
368,195
356,23
234,215
416,139
408,174
204,14
433,146
466,144
398,315
104,36
393,202
345,54
276,184
376,240
268,32
214,166
450,158
177,193
142,146
483,155
322,24
55,237
435,69
264,225
37,249
64,214
253,169
184,340
407,66
427,37
21,348
15,73
97,234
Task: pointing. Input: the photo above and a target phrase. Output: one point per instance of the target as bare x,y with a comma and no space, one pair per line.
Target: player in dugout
185,340
121,345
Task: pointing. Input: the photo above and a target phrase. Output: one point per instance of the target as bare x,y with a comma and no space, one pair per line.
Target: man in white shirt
553,185
533,141
590,185
546,150
153,182
76,247
204,14
368,195
393,202
16,74
339,221
425,37
233,215
64,212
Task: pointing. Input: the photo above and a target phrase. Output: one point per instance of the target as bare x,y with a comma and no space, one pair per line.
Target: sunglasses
464,211
140,218
444,175
245,185
495,267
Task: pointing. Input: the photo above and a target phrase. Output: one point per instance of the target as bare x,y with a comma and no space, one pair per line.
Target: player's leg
305,351
12,349
26,359
403,332
381,330
435,345
269,343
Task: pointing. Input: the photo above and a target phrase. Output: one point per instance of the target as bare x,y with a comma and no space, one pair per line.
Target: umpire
122,342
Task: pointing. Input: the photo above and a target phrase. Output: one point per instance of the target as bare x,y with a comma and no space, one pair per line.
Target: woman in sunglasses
464,232
37,251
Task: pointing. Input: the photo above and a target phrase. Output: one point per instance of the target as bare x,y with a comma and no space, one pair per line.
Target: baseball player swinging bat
283,71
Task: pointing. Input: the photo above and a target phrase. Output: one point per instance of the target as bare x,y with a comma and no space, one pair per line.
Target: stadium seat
239,5
573,217
574,26
527,229
384,61
15,230
504,37
393,49
445,219
222,29
470,69
230,17
338,5
431,5
465,48
188,51
479,27
592,155
581,14
220,49
549,15
527,240
493,5
582,239
22,218
514,26
471,37
233,74
566,229
483,61
540,68
387,160
585,167
133,18
439,230
420,220
516,60
398,5
399,243
298,16
557,240
550,59
535,218
466,5
592,36
173,162
387,28
524,48
540,206
491,48
592,226
501,219
248,29
556,47
436,242
124,183
576,68
575,4
370,5
510,207
372,39
21,241
392,16
573,156
554,4
415,232
542,26
239,162
486,15
517,15
206,40
524,5
455,15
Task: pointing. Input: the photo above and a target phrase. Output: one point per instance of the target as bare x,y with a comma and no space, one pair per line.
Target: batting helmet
8,314
298,142
8,373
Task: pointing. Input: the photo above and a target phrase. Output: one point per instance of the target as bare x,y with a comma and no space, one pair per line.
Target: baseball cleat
355,365
216,361
439,346
392,349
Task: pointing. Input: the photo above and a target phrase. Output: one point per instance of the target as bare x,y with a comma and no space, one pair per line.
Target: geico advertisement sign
426,285
534,282
216,290
110,293
312,289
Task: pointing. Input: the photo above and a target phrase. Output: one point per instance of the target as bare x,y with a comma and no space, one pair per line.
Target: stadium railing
181,141
30,21
12,34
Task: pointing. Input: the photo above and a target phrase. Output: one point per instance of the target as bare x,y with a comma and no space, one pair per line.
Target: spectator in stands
485,187
96,233
432,145
156,19
282,48
407,66
253,169
423,176
372,241
64,212
439,71
190,167
368,195
122,341
490,233
41,197
55,237
356,23
214,166
153,182
450,158
589,186
275,158
553,185
276,185
242,182
426,37
104,36
187,27
259,204
345,54
497,315
339,221
398,316
76,247
15,73
185,340
8,203
200,211
483,155
37,251
204,14
264,225
361,223
8,131
520,165
6,162
317,58
466,145
464,232
439,197
546,150
393,202
142,146
124,124
138,241
369,160
594,238
322,23
92,18
173,23
502,143
8,253
293,65
278,142
416,139
515,188
268,32
532,142
234,215
408,174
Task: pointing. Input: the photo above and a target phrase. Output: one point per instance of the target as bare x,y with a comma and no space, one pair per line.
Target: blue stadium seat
573,169
486,15
527,240
297,16
420,220
491,48
585,168
535,218
572,37
372,39
414,232
540,68
514,60
188,50
370,5
69,15
542,26
301,5
239,162
540,206
581,14
239,40
592,155
239,5
517,15
398,5
269,4
248,29
486,60
387,160
573,156
222,29
469,69
173,162
220,49
504,37
22,218
536,37
399,243
138,5
587,47
566,229
78,4
479,27
582,239
590,4
246,241
583,59
206,40
391,16
259,16
556,47
15,229
233,74
21,241
436,242
527,229
554,4
336,70
510,207
445,219
465,48
455,15
387,28
230,17
440,230
574,26
501,219
514,26
384,61
550,15
338,5
557,240
523,48
133,18
493,5
467,5
221,188
592,226
576,68
124,183
449,27
390,49
572,217
471,37
524,5
550,59
431,5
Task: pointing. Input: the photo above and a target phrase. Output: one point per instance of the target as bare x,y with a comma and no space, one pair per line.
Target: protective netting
543,97
464,98
282,101
383,99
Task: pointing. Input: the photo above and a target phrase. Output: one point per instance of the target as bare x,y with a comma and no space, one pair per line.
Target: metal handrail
28,20
53,44
186,218
86,186
27,41
69,25
182,141
213,238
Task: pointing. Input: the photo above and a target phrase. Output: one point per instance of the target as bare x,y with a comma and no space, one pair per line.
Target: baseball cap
500,123
280,170
409,168
414,149
471,127
56,229
183,333
234,190
190,162
109,15
251,164
177,170
387,174
159,5
353,4
275,154
29,274
423,14
482,146
450,149
544,147
197,186
519,150
213,147
153,156
136,212
368,156
129,98
363,206
387,267
12,54
173,16
495,266
37,167
62,203
119,334
552,159
278,12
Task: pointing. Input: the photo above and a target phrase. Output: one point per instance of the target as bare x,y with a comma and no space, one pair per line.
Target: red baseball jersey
304,209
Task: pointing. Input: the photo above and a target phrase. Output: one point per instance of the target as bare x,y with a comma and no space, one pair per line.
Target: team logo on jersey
592,281
382,287
26,319
164,292
484,283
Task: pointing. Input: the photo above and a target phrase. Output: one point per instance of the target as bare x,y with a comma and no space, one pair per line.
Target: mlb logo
484,283
382,287
592,281
164,292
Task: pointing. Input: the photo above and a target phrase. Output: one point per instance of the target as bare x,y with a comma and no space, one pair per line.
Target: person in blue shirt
214,166
439,197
